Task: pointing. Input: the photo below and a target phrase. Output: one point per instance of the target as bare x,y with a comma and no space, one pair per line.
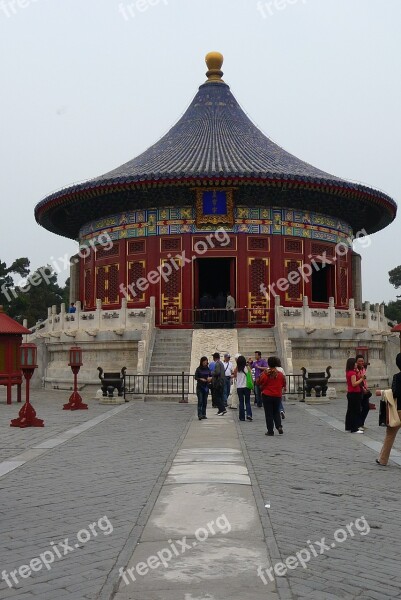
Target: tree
395,277
393,311
66,292
7,288
40,292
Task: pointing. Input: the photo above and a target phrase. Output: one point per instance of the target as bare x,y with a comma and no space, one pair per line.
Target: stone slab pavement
115,489
106,476
316,479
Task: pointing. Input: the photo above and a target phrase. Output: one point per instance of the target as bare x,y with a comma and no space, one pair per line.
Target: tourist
282,411
230,310
212,365
203,378
366,393
354,397
258,364
72,308
228,370
218,381
243,391
204,306
220,314
234,394
272,384
391,431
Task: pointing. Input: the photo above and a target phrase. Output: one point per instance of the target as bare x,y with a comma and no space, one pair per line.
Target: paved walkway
144,502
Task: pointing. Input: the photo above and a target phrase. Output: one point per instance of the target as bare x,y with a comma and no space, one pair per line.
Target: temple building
215,169
216,208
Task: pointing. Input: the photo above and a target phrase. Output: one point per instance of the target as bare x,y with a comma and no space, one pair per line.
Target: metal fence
182,384
217,318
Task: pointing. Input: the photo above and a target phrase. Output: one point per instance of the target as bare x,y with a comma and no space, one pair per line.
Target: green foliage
392,310
395,277
31,297
19,267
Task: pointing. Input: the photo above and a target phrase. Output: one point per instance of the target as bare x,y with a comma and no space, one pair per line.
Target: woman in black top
391,432
203,377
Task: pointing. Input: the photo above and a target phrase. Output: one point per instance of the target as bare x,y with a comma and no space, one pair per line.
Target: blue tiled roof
213,139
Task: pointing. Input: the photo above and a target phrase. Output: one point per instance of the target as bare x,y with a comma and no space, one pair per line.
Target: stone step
173,368
158,398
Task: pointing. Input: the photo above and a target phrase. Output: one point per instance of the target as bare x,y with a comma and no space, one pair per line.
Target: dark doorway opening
214,279
322,283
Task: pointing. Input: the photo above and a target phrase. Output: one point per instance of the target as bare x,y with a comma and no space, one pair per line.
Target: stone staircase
252,340
171,355
172,351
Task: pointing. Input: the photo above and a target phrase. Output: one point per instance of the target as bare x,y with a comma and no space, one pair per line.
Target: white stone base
331,392
115,400
321,400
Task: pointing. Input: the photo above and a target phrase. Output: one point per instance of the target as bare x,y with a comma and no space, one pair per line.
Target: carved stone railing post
351,308
368,315
98,314
332,312
307,313
62,316
123,313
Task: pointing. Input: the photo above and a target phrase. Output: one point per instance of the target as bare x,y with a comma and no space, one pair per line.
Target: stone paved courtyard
308,484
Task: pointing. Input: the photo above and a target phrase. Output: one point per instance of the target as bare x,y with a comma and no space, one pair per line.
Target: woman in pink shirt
354,397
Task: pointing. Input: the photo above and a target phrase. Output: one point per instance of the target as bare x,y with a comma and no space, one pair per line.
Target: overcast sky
89,84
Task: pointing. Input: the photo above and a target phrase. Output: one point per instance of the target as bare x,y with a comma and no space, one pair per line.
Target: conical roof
215,141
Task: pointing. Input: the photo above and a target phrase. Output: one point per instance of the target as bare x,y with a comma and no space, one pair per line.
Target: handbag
234,396
249,381
383,413
390,410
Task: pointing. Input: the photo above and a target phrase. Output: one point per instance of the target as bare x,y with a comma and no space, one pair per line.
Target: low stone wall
110,340
323,348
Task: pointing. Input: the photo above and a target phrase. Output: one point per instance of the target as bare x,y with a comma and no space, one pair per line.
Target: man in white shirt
228,369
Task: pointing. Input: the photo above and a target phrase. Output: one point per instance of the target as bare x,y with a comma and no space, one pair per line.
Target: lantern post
75,401
27,414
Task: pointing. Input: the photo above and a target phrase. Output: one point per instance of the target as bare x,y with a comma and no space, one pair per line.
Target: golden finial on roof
214,61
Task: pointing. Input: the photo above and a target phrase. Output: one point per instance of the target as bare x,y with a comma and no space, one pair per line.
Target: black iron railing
295,386
160,384
182,384
213,318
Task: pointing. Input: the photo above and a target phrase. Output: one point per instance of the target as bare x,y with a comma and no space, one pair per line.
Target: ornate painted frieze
177,221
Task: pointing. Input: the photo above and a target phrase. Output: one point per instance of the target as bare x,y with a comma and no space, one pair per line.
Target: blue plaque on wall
214,203
214,206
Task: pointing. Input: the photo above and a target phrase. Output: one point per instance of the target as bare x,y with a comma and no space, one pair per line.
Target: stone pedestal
108,400
321,400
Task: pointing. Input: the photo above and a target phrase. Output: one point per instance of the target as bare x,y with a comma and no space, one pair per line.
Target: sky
88,85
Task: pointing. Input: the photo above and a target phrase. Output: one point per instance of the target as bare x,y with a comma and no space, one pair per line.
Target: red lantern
75,401
27,414
75,357
28,358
